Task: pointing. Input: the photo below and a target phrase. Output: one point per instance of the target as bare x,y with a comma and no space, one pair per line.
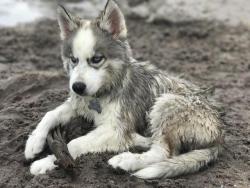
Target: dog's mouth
81,94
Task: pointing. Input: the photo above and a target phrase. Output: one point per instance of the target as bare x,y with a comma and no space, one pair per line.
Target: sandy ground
32,82
231,12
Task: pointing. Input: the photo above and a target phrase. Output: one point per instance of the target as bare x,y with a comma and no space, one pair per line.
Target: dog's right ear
112,20
67,22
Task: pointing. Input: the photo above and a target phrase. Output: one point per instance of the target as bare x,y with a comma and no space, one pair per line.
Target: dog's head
95,52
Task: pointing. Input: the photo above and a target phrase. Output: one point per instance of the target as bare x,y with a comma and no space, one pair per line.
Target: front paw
43,165
34,145
75,149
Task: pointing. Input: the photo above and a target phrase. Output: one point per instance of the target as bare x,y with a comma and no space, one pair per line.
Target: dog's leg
105,139
36,140
133,161
101,139
141,141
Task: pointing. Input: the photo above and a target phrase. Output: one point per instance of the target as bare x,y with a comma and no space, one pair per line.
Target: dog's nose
79,87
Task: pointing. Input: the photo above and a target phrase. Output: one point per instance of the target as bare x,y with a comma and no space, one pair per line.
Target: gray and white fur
134,97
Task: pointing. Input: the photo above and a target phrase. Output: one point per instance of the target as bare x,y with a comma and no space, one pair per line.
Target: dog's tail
189,162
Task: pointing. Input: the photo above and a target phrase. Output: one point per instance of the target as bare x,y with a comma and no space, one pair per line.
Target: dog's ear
67,22
112,20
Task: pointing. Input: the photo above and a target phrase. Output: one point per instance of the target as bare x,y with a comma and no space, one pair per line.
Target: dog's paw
43,165
126,161
73,148
34,145
78,147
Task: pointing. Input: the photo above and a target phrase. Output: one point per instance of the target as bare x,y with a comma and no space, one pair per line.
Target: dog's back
184,127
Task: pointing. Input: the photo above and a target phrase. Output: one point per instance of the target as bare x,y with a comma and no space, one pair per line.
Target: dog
125,98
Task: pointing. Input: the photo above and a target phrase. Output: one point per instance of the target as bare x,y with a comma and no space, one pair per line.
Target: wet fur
136,99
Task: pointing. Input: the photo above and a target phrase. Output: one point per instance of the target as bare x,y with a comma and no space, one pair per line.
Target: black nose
79,88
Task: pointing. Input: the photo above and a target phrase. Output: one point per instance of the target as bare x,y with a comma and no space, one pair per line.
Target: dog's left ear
112,20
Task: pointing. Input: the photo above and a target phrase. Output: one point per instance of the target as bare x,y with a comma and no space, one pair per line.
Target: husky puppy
130,97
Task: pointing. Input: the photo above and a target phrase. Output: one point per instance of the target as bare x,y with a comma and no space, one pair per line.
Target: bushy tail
186,163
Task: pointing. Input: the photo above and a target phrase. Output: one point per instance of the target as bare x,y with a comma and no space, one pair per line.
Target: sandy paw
43,165
126,161
34,145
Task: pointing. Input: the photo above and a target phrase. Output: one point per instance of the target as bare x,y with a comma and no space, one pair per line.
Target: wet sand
32,82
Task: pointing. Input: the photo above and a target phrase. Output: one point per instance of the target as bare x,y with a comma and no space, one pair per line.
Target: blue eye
74,60
96,59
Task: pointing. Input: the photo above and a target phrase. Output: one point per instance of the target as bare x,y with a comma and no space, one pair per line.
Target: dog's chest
109,115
